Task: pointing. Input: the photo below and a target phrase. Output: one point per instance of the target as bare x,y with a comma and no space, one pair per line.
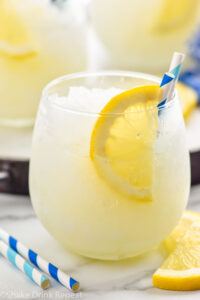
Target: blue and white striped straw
166,85
169,79
39,262
175,68
176,64
23,265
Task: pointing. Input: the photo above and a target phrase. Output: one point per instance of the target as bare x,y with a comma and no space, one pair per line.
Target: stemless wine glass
108,182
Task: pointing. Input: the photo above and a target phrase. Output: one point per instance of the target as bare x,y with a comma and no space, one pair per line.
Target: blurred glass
143,34
39,41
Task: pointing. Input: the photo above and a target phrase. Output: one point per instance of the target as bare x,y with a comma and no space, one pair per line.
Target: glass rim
117,73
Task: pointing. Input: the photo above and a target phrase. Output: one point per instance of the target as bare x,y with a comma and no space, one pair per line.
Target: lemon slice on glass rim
122,142
181,270
16,40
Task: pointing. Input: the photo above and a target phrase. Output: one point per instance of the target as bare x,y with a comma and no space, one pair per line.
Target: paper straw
39,262
176,64
166,86
23,265
175,68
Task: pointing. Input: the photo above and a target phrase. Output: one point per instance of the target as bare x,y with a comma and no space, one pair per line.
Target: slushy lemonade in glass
109,174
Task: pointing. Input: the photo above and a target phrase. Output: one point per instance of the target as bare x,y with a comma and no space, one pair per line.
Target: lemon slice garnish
122,141
175,15
15,39
181,269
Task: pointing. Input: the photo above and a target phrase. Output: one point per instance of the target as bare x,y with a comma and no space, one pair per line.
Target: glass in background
142,35
39,41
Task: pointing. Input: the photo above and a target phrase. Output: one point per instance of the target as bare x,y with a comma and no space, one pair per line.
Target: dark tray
14,174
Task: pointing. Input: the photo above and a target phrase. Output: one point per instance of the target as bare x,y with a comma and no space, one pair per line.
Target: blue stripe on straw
11,254
13,243
53,271
162,103
33,257
72,282
176,71
166,79
28,269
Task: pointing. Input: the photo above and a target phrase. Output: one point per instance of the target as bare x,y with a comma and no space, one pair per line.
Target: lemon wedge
188,99
15,39
181,269
175,15
178,233
122,141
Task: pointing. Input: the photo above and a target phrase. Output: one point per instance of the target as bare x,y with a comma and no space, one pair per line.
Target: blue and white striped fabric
24,265
39,262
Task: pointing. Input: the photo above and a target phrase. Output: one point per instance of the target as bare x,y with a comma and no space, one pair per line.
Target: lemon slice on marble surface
15,39
181,269
178,233
175,15
122,141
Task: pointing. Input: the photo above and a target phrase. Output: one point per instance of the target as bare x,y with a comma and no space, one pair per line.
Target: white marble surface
130,279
